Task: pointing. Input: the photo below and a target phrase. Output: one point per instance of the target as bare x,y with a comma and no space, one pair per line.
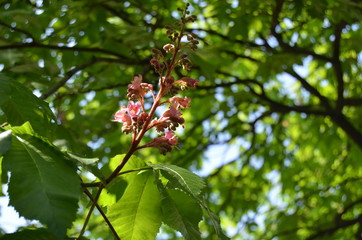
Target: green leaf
113,192
4,89
181,212
181,178
30,234
215,220
21,105
3,177
89,164
5,142
116,188
133,163
42,185
137,215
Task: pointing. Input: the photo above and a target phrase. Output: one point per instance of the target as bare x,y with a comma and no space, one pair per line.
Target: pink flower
172,117
172,139
121,116
136,83
172,112
189,82
163,143
134,109
137,89
177,102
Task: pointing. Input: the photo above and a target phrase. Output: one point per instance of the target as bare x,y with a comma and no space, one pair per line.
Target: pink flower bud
190,81
169,48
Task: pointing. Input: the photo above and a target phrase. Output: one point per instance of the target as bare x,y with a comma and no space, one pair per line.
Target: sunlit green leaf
137,215
181,212
180,178
42,185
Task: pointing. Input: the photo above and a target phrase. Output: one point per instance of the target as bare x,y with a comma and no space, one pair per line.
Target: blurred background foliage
275,124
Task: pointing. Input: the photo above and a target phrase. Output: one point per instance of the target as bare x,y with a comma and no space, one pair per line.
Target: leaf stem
90,212
102,213
97,184
136,138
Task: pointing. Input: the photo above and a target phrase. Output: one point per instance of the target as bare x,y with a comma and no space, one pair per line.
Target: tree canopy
280,90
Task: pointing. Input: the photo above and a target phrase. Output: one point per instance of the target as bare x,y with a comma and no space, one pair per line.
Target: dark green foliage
280,85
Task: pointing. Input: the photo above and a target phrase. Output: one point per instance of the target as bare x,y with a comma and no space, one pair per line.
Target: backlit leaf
181,178
42,185
137,215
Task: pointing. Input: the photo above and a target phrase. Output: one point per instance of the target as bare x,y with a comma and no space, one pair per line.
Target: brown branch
122,15
67,76
329,231
348,207
352,101
97,184
312,90
66,48
279,37
70,73
236,55
16,29
274,105
225,37
337,66
82,91
247,152
90,212
347,127
102,213
335,114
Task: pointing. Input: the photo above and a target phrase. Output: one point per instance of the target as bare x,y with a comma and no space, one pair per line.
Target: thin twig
90,212
102,213
68,75
97,184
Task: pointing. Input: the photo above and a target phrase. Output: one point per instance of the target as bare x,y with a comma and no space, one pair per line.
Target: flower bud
169,48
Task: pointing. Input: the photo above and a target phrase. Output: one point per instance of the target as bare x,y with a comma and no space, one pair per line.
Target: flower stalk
134,117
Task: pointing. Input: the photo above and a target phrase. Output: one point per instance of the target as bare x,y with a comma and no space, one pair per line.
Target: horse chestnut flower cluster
138,120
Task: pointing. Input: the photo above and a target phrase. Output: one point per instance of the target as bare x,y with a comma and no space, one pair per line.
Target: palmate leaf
192,184
42,185
89,164
137,215
32,234
215,220
180,178
20,105
116,188
36,234
181,212
5,142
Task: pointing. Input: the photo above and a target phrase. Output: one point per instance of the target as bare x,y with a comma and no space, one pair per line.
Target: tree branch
352,102
66,48
67,76
347,127
70,73
293,49
94,201
17,30
331,230
324,101
337,66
